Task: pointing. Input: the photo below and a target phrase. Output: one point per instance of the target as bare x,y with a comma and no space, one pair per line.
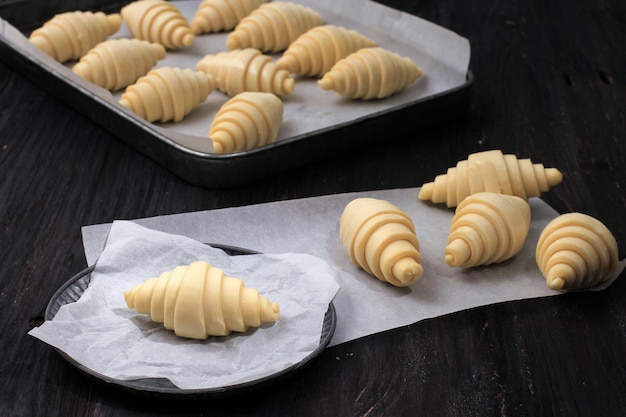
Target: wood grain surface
550,85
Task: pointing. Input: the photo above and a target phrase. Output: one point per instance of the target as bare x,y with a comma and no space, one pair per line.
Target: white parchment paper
101,333
364,305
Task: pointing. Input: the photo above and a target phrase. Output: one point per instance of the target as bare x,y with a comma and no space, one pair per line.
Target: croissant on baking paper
487,228
576,251
490,171
117,63
68,36
246,70
370,73
246,121
198,300
158,21
315,52
221,15
273,26
167,93
380,238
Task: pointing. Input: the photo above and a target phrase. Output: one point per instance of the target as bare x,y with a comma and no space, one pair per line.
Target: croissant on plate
370,73
246,70
273,26
246,121
576,251
315,52
68,36
117,63
490,171
487,228
198,300
380,238
221,15
158,21
167,93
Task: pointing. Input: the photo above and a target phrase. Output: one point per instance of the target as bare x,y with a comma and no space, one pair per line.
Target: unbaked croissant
246,70
487,228
246,121
315,52
490,171
380,238
576,251
117,63
167,93
273,26
68,36
221,15
158,21
370,73
197,301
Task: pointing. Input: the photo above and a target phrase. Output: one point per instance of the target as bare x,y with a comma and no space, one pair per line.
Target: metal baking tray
222,170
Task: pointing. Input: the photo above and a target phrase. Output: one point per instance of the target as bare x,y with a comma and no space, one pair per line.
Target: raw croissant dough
490,171
487,228
246,121
246,70
197,301
167,93
221,15
370,73
315,52
117,63
576,251
68,36
380,238
158,21
273,26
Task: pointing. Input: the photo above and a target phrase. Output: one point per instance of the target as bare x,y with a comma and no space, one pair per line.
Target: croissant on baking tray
487,228
68,36
158,21
380,238
576,251
117,63
198,300
315,52
273,26
221,15
246,121
167,93
246,70
370,73
490,171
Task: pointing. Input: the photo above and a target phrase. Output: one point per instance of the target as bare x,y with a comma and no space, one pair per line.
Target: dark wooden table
550,85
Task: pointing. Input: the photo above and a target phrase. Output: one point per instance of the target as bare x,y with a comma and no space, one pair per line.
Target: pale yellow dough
167,93
315,52
221,15
197,301
246,70
117,63
576,251
380,238
370,73
273,26
246,121
68,36
490,171
487,228
158,21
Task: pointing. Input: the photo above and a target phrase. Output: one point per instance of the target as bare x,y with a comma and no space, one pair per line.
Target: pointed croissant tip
554,176
457,253
407,271
556,283
426,192
326,83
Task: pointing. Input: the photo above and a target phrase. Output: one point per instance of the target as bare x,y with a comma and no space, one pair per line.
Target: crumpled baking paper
101,333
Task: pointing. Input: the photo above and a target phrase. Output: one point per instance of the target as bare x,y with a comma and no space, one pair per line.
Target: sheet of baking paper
101,333
442,54
364,305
